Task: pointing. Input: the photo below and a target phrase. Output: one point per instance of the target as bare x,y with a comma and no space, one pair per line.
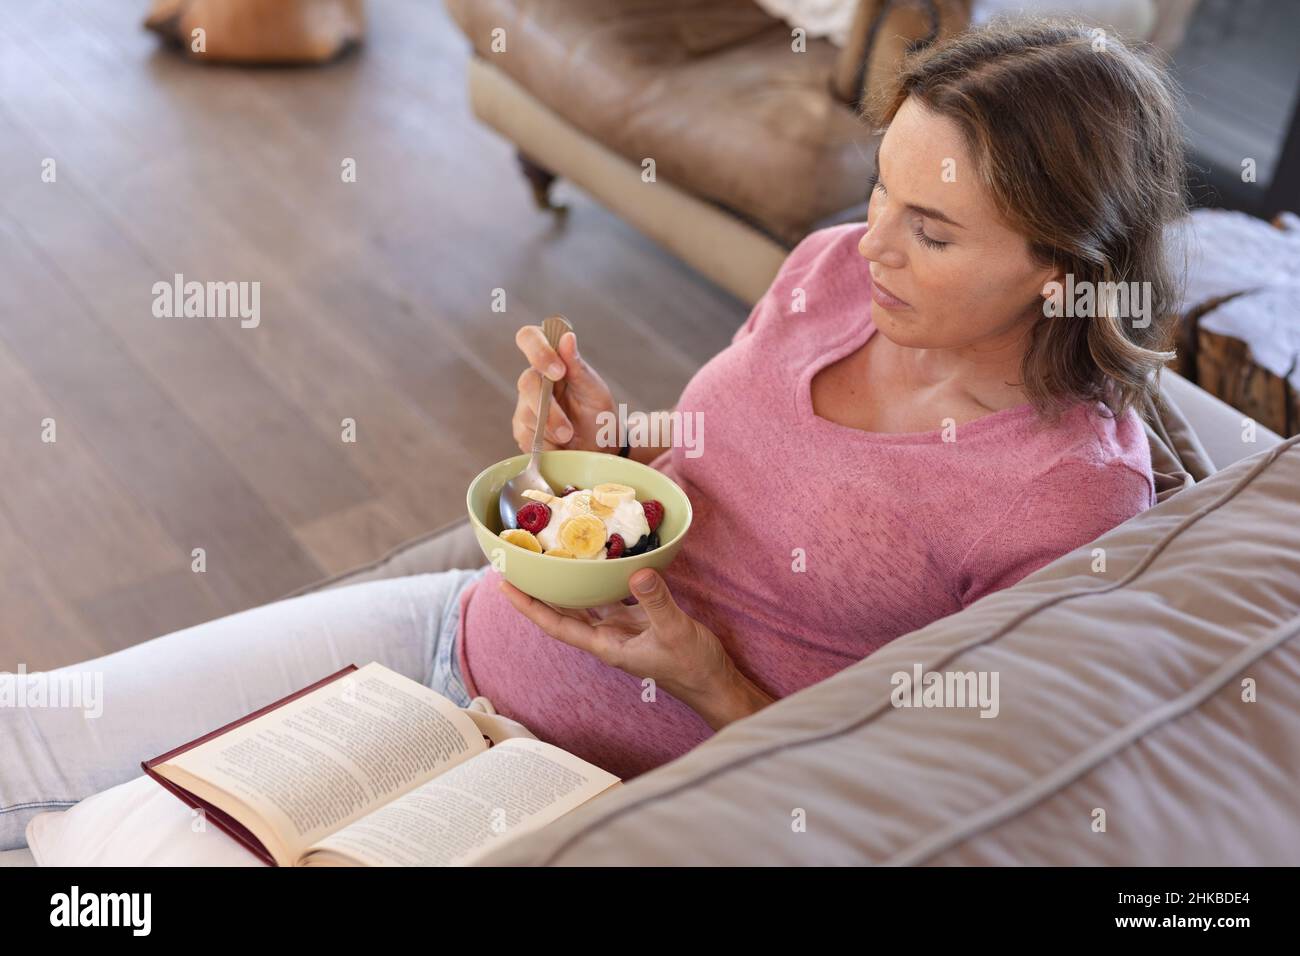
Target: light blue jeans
158,695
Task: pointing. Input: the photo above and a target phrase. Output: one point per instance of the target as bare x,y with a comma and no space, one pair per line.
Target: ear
1049,275
1036,308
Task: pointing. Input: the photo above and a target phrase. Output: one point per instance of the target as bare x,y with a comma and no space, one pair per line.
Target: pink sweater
815,543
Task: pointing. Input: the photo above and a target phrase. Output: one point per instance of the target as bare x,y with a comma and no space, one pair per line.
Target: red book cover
218,816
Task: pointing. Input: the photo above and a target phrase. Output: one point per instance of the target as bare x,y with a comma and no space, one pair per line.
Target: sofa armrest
846,81
882,34
1217,424
451,546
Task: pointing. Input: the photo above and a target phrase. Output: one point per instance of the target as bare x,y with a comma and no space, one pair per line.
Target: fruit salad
593,524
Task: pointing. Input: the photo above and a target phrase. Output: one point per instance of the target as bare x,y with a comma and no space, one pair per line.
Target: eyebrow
923,210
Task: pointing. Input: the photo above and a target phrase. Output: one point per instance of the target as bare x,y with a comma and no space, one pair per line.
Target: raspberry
534,517
654,513
568,490
615,546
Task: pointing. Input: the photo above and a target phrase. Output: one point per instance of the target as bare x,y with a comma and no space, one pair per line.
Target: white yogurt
627,520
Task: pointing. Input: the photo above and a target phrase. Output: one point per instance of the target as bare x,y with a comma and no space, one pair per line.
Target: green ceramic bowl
569,582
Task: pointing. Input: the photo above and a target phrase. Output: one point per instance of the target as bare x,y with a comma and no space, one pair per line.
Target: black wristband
625,450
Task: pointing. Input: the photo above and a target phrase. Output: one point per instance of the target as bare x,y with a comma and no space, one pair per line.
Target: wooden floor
177,434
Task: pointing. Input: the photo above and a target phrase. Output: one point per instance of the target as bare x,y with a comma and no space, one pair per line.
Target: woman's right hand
578,397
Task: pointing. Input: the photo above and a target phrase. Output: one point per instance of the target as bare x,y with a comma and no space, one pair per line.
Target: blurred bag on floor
260,31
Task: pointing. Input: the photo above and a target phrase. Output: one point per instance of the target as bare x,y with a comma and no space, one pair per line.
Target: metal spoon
512,494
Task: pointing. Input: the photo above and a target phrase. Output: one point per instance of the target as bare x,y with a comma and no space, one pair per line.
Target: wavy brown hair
1078,139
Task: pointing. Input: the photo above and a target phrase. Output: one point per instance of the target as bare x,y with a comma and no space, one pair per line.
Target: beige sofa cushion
1123,692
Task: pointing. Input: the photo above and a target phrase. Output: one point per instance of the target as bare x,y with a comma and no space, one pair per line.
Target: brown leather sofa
754,145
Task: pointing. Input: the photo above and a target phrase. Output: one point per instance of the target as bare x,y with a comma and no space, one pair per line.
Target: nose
877,244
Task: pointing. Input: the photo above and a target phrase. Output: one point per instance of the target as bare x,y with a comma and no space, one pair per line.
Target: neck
985,372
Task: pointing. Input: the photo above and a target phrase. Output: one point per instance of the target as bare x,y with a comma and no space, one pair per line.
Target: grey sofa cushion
19,857
1124,700
451,546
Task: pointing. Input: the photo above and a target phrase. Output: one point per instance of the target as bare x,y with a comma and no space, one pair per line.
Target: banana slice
579,503
583,535
600,510
541,496
524,539
559,553
611,494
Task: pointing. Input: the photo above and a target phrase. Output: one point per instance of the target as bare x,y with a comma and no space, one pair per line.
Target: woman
906,422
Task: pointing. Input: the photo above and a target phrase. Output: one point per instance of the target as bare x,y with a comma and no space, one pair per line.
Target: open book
370,768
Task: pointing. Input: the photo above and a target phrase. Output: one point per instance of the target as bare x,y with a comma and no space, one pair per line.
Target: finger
532,342
558,429
529,385
578,374
653,595
604,612
562,627
558,426
524,438
581,614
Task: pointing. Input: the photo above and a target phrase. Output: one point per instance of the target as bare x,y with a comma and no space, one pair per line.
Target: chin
902,328
910,329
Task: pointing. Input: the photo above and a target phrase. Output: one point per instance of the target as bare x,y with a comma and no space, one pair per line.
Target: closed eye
926,240
918,232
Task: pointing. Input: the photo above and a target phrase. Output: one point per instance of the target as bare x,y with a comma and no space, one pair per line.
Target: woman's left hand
653,638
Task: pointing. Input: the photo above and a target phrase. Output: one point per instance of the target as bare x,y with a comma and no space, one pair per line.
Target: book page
334,755
517,786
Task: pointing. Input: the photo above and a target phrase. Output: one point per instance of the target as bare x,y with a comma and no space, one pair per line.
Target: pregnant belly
566,696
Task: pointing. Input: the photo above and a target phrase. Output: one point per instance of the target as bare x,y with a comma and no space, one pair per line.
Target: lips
889,294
